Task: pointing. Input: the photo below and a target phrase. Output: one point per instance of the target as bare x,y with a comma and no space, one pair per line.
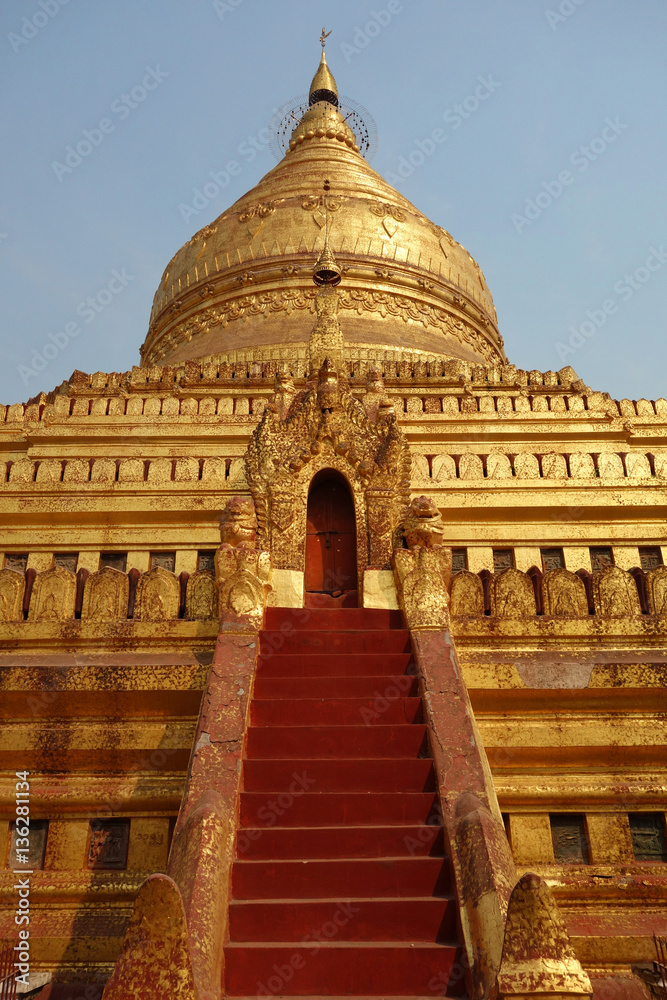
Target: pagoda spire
323,87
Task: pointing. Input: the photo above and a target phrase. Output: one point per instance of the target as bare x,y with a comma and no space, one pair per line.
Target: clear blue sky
559,70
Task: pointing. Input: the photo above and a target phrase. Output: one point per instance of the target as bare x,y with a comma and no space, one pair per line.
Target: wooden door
331,539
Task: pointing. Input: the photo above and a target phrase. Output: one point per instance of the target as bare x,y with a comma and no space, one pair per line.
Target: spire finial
323,87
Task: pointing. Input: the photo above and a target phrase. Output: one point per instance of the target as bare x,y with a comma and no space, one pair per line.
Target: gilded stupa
409,286
332,643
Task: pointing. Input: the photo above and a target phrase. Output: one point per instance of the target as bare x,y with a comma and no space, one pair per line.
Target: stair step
440,991
305,742
279,688
341,886
370,919
330,808
340,878
396,774
388,707
343,969
318,641
329,664
276,619
331,842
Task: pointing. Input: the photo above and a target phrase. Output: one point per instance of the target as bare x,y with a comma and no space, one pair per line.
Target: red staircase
340,885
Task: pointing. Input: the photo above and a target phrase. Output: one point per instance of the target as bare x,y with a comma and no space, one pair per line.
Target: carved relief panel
53,596
512,595
467,596
201,598
615,593
12,586
656,586
157,596
564,594
105,595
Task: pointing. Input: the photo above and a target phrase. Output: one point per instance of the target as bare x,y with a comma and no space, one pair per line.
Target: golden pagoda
332,642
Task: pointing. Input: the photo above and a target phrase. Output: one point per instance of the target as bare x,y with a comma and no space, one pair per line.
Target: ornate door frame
326,427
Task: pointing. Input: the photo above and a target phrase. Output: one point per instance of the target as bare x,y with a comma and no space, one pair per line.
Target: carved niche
512,595
242,571
158,596
326,427
422,571
12,587
615,593
656,587
53,596
105,595
564,594
201,597
467,596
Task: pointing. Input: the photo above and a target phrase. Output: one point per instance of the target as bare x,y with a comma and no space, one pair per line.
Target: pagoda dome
244,283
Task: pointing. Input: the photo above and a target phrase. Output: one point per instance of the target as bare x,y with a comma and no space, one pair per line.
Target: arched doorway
331,541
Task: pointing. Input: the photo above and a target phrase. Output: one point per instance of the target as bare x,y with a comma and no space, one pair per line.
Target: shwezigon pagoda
332,653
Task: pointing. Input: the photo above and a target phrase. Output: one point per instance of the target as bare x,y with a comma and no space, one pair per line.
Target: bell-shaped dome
245,282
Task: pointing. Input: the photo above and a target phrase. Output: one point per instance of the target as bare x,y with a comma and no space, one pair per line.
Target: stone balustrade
559,593
579,466
163,472
440,469
507,404
58,595
238,386
230,406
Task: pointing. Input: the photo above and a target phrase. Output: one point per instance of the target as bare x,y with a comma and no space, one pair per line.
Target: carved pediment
325,426
538,958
